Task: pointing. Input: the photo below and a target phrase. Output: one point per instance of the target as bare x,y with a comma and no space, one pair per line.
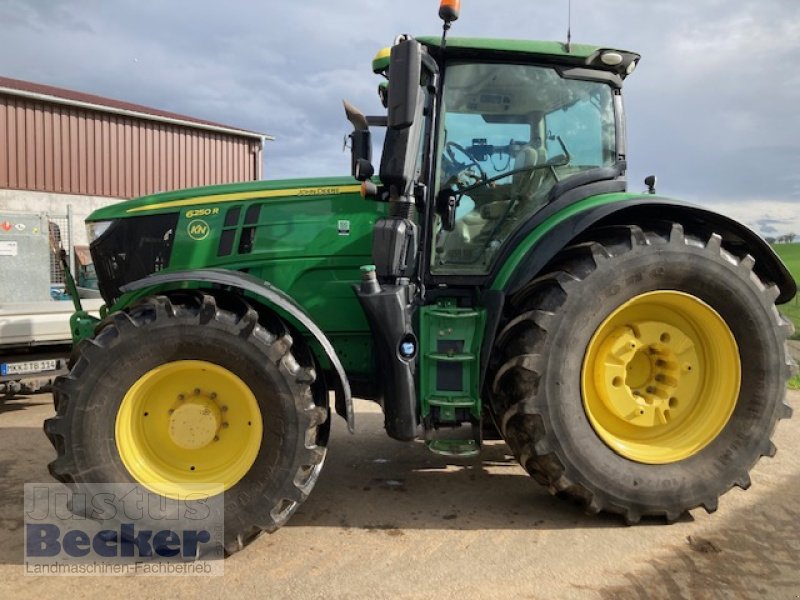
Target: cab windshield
511,132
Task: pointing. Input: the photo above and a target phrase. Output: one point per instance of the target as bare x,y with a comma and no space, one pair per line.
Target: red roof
100,101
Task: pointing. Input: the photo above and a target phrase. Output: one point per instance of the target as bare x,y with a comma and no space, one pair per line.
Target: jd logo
198,230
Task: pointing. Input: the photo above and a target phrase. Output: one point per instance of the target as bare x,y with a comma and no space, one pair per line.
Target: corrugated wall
59,148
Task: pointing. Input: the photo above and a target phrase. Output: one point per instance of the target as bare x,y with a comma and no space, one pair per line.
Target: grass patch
794,382
792,310
790,255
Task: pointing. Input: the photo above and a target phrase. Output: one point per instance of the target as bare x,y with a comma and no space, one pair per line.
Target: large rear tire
643,373
184,391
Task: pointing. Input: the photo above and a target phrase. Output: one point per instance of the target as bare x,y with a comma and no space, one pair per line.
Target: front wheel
644,373
184,396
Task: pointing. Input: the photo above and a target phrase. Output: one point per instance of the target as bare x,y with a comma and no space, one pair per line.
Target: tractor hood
217,195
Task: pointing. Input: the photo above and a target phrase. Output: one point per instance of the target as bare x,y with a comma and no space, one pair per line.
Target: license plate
31,366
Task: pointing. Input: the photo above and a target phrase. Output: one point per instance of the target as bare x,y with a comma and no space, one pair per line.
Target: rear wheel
644,373
185,395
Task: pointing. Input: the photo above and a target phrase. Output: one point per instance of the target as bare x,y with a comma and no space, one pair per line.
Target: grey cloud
768,226
711,108
42,16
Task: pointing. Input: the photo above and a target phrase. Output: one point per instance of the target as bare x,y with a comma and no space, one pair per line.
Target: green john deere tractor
494,278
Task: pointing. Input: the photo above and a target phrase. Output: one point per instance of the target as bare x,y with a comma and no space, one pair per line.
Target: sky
712,108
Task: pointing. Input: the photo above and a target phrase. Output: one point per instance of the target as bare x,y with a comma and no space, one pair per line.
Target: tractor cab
505,128
482,136
510,133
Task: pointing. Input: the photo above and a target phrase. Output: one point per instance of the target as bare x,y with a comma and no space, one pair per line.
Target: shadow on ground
369,482
15,403
373,482
755,554
24,454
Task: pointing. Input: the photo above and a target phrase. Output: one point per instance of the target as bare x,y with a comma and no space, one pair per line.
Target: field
790,254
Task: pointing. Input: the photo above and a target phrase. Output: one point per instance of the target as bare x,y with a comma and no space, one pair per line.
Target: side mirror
362,169
405,71
361,154
360,144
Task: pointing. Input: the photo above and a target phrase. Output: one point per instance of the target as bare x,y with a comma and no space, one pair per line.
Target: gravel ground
391,520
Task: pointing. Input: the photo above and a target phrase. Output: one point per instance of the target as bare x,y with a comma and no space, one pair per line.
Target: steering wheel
463,168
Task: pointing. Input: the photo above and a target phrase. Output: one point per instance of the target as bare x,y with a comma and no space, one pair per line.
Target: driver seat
525,185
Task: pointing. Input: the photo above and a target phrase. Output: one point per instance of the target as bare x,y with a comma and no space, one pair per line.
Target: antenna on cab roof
569,25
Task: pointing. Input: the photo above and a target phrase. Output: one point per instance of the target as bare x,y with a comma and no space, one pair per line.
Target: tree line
781,239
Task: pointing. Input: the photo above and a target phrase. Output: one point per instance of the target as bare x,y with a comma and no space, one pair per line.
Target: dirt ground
391,520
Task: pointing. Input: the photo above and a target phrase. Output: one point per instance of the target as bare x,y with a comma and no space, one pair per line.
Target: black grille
131,249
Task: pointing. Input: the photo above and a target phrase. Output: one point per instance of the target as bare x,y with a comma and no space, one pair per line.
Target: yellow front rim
188,426
661,377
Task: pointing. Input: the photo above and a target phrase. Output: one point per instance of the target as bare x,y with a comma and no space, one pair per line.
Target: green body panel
310,239
449,364
518,255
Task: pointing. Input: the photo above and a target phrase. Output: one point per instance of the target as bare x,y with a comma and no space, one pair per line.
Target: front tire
184,391
594,389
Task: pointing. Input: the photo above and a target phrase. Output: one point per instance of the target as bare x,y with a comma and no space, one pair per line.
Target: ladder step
451,357
469,314
456,402
454,447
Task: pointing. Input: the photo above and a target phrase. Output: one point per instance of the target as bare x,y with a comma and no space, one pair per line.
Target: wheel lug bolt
170,411
216,438
224,408
196,391
213,395
225,425
181,397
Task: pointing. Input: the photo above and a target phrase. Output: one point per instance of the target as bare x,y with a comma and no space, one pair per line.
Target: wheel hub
196,423
645,367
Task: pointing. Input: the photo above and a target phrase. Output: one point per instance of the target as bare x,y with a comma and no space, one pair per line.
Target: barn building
66,152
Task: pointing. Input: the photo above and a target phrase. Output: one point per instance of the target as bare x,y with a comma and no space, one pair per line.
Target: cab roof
542,48
575,55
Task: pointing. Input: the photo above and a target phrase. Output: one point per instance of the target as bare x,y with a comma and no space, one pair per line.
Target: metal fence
61,236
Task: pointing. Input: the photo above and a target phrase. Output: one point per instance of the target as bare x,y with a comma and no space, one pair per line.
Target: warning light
449,10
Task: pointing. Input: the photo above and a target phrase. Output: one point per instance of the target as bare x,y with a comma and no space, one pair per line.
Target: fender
269,295
544,242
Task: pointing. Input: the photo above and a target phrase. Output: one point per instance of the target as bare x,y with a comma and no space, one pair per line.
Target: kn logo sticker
198,229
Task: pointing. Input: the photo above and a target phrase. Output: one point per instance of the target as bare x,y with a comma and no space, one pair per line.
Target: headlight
94,229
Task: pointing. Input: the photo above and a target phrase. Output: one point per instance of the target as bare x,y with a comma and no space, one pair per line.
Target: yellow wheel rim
188,426
661,377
